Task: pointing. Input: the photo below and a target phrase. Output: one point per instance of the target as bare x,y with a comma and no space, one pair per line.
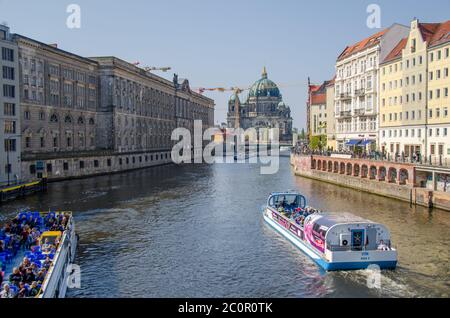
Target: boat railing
55,265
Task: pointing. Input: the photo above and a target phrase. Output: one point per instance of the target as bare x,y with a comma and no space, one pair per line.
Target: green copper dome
264,87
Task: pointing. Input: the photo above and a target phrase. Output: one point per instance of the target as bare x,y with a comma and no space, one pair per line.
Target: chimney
55,45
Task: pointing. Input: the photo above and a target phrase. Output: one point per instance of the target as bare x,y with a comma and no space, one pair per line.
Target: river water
197,231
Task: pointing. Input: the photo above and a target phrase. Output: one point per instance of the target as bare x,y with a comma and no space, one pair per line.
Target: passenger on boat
40,277
16,276
6,292
34,289
46,247
46,264
382,246
29,276
23,290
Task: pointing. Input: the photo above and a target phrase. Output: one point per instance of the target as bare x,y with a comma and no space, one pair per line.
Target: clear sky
219,43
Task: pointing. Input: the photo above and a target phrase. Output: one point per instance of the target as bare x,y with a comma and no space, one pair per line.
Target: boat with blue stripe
335,241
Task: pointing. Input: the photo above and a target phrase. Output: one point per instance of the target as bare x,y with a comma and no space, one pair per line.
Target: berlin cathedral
264,108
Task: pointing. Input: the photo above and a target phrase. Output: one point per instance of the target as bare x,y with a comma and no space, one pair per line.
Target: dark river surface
197,231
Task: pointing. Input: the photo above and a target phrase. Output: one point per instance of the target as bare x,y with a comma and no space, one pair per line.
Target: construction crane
152,68
236,90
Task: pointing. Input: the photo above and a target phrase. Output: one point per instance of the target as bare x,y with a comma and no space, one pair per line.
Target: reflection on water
196,231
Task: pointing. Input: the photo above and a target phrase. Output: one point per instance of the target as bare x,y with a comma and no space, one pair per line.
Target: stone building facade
9,110
85,116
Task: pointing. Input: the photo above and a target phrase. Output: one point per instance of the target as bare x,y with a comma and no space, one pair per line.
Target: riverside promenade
399,180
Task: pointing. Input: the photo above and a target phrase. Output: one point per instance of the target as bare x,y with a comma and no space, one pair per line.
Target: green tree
318,142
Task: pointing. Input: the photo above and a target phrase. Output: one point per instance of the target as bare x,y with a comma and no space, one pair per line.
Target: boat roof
332,218
285,192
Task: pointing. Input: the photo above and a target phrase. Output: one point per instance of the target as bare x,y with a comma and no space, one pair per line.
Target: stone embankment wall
393,180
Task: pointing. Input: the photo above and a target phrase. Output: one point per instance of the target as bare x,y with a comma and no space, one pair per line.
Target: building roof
318,99
362,45
397,51
319,93
433,33
441,34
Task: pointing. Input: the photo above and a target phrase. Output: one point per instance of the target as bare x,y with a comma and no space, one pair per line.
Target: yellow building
407,110
438,95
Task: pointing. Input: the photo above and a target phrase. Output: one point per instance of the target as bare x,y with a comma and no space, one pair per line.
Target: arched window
91,121
54,118
68,119
80,120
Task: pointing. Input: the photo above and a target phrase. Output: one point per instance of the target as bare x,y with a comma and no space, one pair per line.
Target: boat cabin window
287,201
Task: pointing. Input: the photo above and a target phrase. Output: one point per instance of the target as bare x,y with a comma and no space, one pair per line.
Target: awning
367,142
353,142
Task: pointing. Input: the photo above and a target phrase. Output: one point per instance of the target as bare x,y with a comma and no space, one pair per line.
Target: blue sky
219,43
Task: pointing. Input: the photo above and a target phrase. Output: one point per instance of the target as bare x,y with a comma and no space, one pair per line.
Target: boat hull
356,261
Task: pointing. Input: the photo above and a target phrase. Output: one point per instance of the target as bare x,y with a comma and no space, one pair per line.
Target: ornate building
264,108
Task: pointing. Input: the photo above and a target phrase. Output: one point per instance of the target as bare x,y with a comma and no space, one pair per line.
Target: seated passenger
382,246
46,247
34,289
46,264
16,277
41,276
29,276
6,292
23,291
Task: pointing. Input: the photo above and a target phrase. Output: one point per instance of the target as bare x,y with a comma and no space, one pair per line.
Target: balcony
360,92
359,112
345,96
345,113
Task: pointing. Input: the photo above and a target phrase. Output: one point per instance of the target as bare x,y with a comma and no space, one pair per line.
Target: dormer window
413,46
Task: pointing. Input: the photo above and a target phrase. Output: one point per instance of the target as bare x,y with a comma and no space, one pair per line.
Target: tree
318,142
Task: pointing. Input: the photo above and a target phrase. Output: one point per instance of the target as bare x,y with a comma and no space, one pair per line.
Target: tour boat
53,249
335,241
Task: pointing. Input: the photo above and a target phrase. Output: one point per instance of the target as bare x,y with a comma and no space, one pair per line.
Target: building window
7,54
65,166
10,127
8,73
96,163
27,142
81,164
108,162
10,145
32,169
42,142
9,109
49,167
9,91
54,118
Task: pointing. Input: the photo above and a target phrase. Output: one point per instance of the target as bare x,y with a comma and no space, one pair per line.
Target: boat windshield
287,201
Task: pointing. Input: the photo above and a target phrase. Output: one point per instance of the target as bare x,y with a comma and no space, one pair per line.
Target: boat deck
35,250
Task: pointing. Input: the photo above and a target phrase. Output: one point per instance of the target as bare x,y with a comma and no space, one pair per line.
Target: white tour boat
335,241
